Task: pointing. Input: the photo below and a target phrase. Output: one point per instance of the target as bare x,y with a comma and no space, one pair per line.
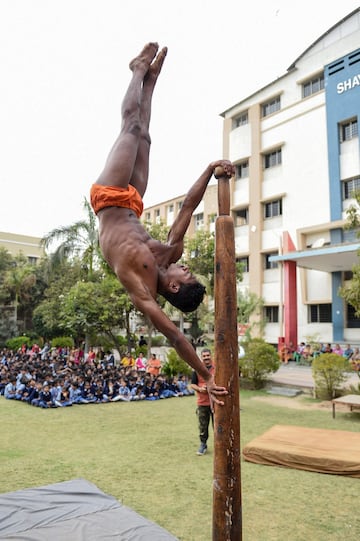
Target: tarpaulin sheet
74,510
314,449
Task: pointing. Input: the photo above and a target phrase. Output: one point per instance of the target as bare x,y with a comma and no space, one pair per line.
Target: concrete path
301,376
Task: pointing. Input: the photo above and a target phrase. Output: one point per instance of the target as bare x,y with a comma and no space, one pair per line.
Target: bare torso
134,256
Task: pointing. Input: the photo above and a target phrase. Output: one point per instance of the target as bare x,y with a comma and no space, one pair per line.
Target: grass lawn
144,454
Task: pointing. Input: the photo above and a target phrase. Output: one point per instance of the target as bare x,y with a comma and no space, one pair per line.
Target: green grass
144,454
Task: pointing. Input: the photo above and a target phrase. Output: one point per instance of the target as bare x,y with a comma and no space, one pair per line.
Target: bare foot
155,67
144,59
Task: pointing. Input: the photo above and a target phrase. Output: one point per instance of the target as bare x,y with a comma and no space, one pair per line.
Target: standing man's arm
195,384
192,200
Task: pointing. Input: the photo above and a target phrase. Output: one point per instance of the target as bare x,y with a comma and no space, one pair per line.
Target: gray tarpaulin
74,510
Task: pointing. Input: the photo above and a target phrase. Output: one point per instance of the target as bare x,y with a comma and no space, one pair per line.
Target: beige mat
314,449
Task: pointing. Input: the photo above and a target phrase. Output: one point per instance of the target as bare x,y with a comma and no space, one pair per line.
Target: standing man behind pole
204,411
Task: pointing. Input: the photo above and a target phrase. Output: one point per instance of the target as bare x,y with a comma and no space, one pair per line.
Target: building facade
203,218
295,146
29,246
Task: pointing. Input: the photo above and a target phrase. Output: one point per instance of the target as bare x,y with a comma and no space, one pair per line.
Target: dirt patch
298,402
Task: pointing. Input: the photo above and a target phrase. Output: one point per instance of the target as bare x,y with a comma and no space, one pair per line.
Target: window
199,221
273,208
240,120
271,106
244,262
242,169
147,216
170,214
179,205
353,322
157,216
32,260
270,264
348,130
272,159
271,314
319,313
241,216
349,187
314,85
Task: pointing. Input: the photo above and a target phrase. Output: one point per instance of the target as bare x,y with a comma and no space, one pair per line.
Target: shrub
260,359
157,341
329,372
175,365
62,342
16,342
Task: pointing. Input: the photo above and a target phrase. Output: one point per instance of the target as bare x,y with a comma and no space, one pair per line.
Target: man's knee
131,123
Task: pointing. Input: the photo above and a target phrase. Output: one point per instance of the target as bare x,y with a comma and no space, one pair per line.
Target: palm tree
19,279
79,239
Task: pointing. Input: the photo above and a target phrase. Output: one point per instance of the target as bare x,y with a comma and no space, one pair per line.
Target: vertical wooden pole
227,512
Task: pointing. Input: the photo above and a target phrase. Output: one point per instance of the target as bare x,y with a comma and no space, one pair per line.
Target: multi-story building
15,244
295,145
203,217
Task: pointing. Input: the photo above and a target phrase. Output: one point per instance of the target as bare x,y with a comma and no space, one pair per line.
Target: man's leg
204,419
121,161
140,174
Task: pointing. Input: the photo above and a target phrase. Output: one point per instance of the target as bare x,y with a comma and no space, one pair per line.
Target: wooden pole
227,513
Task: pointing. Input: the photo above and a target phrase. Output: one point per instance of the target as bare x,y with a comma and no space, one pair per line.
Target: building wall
203,217
15,244
308,179
307,182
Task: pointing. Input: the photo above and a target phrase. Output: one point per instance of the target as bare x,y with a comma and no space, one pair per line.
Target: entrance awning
334,258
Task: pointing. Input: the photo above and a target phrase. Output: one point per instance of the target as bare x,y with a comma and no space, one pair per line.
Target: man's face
206,358
180,274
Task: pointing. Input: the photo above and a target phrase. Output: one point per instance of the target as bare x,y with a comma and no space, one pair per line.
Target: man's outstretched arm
149,307
192,200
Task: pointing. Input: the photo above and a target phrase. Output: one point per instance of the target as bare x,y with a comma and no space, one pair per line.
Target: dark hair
188,297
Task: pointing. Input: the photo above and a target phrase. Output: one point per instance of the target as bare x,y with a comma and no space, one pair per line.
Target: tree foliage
329,372
175,365
260,359
97,308
79,240
351,291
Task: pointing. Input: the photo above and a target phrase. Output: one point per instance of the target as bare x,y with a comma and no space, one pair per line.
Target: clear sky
64,70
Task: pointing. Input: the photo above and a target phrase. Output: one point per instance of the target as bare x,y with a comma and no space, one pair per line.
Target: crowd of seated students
51,378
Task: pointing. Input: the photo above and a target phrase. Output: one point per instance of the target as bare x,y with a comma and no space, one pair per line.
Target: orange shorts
111,196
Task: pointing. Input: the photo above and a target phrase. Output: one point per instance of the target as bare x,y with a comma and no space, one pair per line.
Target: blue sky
65,69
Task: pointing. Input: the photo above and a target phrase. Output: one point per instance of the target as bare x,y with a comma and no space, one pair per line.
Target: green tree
260,359
7,322
6,260
351,291
249,311
46,316
158,231
198,255
329,372
175,365
18,280
79,240
95,309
